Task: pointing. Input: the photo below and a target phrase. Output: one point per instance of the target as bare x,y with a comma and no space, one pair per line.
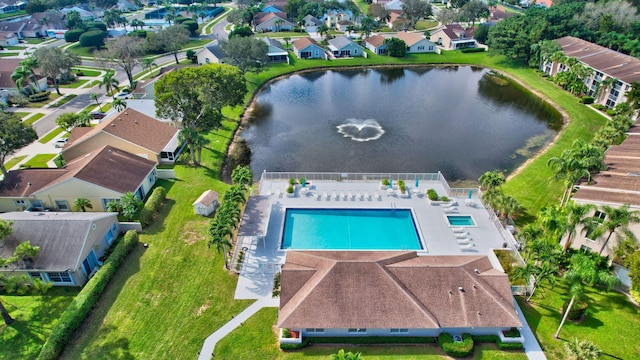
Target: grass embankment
11,163
33,118
610,322
39,161
75,84
50,135
34,317
165,300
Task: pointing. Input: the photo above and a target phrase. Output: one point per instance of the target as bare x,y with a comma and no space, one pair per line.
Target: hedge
152,205
509,346
98,25
73,35
80,307
304,343
486,338
92,38
38,97
586,100
473,50
374,340
456,349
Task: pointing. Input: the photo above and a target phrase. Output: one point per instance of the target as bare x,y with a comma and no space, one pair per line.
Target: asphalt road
48,123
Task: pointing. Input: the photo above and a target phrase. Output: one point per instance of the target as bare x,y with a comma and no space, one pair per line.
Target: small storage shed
206,203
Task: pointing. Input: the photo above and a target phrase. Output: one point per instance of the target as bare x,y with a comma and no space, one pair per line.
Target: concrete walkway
531,346
210,342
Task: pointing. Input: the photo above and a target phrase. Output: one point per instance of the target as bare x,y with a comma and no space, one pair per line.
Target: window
315,330
357,330
585,248
599,215
20,203
62,205
430,48
152,177
111,234
105,202
36,275
420,47
60,277
393,331
37,204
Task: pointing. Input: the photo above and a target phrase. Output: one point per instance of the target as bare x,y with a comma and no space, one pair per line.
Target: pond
459,120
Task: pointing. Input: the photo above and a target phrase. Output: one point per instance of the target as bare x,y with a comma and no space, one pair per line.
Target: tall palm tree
286,40
616,219
148,64
603,88
278,23
109,82
94,97
584,269
219,238
491,180
242,176
119,104
581,350
569,169
20,76
577,215
82,204
199,142
188,135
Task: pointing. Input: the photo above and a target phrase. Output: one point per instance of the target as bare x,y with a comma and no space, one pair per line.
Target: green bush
485,338
444,198
38,97
374,340
78,310
305,342
385,182
509,346
92,38
154,202
290,189
473,50
138,33
586,100
513,333
611,112
286,333
73,35
96,25
599,107
456,349
192,26
432,195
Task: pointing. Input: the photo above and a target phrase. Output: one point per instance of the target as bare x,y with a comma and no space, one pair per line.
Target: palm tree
219,238
566,167
119,104
236,194
584,269
188,135
109,82
199,142
603,88
323,30
491,180
633,95
581,350
278,23
286,40
82,204
554,221
148,63
616,219
20,76
94,97
242,175
135,23
342,355
576,216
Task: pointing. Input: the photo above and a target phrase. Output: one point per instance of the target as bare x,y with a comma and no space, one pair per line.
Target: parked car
60,142
124,94
97,114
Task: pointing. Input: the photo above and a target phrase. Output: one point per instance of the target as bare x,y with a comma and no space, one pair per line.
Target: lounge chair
379,196
465,241
451,210
462,235
349,195
358,195
342,195
325,195
318,196
449,204
458,229
466,246
335,195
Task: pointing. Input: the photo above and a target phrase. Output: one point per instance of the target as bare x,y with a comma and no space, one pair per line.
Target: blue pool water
461,220
350,229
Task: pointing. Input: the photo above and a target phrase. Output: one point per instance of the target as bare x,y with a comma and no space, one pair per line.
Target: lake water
460,120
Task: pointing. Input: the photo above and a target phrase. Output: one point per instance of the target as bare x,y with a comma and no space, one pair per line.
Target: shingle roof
60,237
394,290
134,127
409,38
260,18
274,42
216,50
340,41
207,198
310,19
620,66
375,40
302,43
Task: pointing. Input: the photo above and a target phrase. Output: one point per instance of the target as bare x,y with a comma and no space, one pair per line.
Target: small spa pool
350,229
461,220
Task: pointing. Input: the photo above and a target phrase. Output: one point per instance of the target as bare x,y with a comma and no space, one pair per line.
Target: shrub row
473,50
509,346
75,314
41,96
304,343
586,100
152,205
374,340
456,349
496,340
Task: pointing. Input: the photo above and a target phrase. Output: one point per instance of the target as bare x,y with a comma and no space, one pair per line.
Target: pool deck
264,257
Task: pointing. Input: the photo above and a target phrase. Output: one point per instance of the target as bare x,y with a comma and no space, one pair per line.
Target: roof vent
476,271
120,118
29,183
475,286
479,314
126,113
633,174
461,289
112,124
450,292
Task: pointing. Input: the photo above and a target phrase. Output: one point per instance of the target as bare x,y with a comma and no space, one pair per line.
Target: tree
187,135
367,25
633,95
247,53
54,62
286,40
199,142
128,206
14,134
93,38
119,104
379,12
94,97
577,215
82,204
74,20
474,10
20,76
67,121
491,180
585,269
109,82
342,355
194,96
396,47
448,16
242,175
615,220
174,39
581,350
241,31
219,238
415,10
135,23
123,52
323,30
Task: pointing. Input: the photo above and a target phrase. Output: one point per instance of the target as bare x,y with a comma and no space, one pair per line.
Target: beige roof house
101,176
131,131
376,44
453,37
370,291
416,43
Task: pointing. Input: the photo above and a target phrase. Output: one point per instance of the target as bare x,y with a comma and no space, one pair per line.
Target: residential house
8,38
342,46
206,203
7,67
33,29
618,185
211,54
452,37
416,43
71,244
85,14
606,64
394,15
274,7
130,131
9,7
376,44
264,22
311,23
126,6
14,27
307,48
332,17
276,51
102,176
394,5
399,294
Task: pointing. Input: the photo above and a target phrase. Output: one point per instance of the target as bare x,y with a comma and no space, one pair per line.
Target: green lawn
33,118
81,51
34,41
257,339
93,83
50,135
426,24
21,114
196,43
609,323
88,72
20,48
75,85
52,96
64,100
13,14
11,163
39,160
167,299
7,54
35,316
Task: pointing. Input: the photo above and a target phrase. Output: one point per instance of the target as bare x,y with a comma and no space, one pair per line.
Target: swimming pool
350,229
461,220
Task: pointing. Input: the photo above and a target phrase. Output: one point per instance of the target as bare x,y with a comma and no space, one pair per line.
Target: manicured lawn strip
35,317
610,322
165,300
34,118
34,41
8,54
363,5
11,163
52,96
40,160
13,14
426,24
50,135
64,100
21,114
81,51
88,72
92,84
257,339
14,48
196,43
75,85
